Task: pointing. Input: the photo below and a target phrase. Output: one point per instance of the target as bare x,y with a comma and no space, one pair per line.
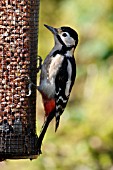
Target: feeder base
18,147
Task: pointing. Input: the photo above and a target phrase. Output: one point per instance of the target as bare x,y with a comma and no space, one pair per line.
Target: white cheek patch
68,84
68,41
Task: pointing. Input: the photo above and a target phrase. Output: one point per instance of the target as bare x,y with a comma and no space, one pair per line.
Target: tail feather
57,122
57,116
44,129
45,126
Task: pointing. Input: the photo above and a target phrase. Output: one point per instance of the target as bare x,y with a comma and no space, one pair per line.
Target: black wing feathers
60,81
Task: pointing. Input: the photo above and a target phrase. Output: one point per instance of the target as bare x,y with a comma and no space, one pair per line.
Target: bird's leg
30,84
43,130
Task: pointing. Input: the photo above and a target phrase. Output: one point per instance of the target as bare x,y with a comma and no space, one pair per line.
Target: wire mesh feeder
18,60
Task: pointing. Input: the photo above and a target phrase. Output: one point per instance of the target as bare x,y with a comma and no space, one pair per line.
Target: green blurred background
84,140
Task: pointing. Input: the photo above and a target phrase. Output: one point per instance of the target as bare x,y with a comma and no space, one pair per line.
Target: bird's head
64,36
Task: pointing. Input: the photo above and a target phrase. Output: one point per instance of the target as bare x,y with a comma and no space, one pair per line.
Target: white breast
47,83
56,63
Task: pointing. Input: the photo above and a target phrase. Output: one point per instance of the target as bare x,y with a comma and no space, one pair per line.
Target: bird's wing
60,96
64,82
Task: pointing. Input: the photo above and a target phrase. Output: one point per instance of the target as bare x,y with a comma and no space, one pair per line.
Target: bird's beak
53,30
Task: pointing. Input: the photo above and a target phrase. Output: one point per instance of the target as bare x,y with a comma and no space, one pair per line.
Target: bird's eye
64,34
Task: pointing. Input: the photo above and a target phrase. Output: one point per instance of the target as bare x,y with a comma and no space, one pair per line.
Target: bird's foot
30,84
28,79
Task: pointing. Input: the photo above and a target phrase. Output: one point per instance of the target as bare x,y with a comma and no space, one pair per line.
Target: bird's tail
44,129
57,116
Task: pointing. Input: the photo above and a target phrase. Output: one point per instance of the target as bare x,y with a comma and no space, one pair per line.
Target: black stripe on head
60,40
64,47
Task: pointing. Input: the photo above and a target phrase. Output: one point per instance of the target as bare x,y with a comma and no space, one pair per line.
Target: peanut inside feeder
18,56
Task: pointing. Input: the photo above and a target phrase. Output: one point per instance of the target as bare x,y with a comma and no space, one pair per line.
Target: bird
57,77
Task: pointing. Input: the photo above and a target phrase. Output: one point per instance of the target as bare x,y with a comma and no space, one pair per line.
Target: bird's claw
28,78
30,83
29,89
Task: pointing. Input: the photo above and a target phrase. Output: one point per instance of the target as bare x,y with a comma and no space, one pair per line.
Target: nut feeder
18,63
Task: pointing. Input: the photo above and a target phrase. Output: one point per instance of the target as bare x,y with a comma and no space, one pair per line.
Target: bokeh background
84,140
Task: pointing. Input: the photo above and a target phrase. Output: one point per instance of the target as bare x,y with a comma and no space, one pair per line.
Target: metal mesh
18,61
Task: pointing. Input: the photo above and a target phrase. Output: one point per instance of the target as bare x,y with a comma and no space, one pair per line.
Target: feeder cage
18,63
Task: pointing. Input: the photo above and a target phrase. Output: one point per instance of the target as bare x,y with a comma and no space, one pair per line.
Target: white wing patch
54,67
68,83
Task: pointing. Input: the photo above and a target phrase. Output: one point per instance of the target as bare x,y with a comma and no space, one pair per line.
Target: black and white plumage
58,74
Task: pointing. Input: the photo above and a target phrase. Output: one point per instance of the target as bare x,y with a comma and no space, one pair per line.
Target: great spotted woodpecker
57,76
